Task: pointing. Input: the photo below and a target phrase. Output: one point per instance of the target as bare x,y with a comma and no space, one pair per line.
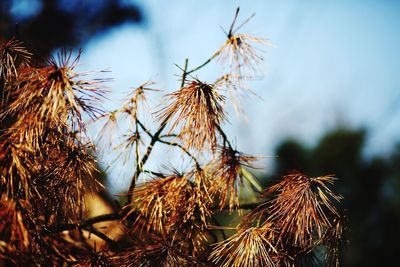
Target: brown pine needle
302,208
248,248
197,107
228,175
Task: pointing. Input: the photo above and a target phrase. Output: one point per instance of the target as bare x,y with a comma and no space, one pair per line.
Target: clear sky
333,63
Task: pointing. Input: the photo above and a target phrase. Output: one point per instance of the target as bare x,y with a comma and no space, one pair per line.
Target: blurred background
329,101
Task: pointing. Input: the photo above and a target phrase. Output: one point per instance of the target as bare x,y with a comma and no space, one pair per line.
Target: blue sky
333,63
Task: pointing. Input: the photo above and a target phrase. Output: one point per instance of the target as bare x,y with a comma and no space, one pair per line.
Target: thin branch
147,131
219,227
137,153
205,63
168,135
99,234
89,228
183,149
154,139
102,218
246,206
249,206
158,174
226,141
185,73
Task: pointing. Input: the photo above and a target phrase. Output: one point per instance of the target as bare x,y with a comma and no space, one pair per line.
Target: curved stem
89,228
183,149
185,73
137,154
102,218
154,139
220,229
205,63
168,135
224,137
144,128
246,206
154,173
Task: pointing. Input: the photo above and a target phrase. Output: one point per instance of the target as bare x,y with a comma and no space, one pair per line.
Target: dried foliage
229,175
303,214
333,240
12,55
176,205
47,166
249,247
302,208
199,108
238,52
160,252
12,226
48,169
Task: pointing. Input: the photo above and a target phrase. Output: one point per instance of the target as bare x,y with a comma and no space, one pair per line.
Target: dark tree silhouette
370,188
65,23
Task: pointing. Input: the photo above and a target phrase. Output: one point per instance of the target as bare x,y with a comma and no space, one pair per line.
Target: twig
154,173
168,135
205,63
154,139
219,227
144,128
226,141
99,234
89,228
102,218
246,206
183,149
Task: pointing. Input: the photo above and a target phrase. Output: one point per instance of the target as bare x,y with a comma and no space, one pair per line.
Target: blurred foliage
45,25
371,190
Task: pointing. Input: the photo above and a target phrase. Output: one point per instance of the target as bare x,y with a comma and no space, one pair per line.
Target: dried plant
13,55
250,247
172,205
302,208
12,227
198,107
49,171
238,52
333,240
159,252
229,175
